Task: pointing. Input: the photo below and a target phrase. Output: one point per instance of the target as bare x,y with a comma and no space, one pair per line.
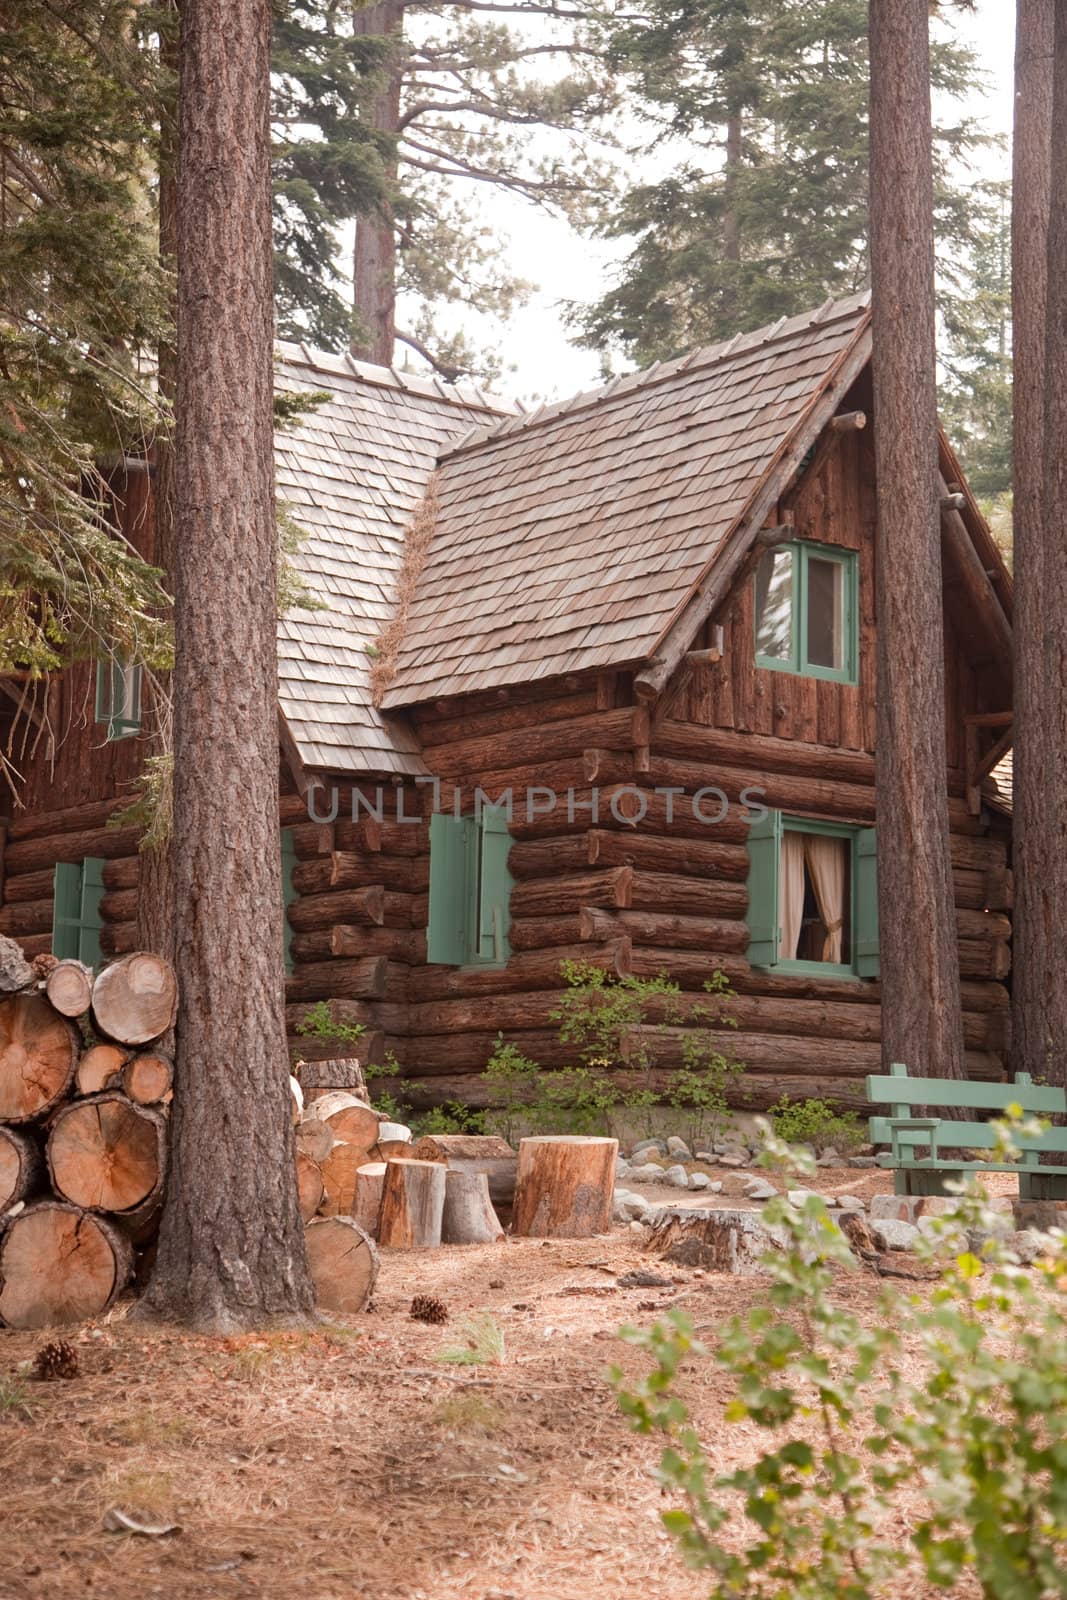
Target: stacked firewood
84,1090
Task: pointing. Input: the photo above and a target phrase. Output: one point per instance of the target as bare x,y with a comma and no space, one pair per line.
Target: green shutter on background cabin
867,903
66,911
288,892
764,849
494,842
92,892
446,936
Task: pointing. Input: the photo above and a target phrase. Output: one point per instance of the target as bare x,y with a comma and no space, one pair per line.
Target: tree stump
106,1154
367,1205
310,1188
474,1152
22,1168
314,1138
468,1216
147,1077
59,1264
730,1241
135,999
98,1065
564,1186
413,1199
38,1054
339,1177
318,1078
343,1263
69,987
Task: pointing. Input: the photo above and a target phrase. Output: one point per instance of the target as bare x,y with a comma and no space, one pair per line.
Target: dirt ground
348,1462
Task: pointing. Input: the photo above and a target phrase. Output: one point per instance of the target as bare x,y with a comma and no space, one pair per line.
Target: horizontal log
690,741
363,979
31,855
982,925
361,1013
544,858
345,940
548,897
36,944
26,916
530,969
69,819
547,858
636,810
370,1047
119,906
701,897
119,938
364,907
785,791
29,886
548,933
456,724
122,873
311,840
981,958
772,1052
984,852
620,729
666,930
983,890
348,869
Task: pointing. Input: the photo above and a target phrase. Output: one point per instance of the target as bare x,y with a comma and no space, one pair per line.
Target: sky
566,267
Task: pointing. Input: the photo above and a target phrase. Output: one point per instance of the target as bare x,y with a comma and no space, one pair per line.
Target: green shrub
964,1485
817,1123
512,1079
450,1117
319,1023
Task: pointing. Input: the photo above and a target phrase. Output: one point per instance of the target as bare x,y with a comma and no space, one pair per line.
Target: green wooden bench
906,1133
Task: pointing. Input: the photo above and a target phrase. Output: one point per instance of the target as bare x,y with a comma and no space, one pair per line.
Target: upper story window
118,697
807,615
812,897
470,888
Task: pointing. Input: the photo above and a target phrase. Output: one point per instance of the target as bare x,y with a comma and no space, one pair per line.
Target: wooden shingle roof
352,472
573,537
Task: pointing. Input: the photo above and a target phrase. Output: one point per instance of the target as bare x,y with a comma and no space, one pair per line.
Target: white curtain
791,893
825,857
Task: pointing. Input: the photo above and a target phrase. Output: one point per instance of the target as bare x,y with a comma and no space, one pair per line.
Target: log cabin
594,682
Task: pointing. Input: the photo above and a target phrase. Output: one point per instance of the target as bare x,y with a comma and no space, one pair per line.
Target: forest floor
349,1461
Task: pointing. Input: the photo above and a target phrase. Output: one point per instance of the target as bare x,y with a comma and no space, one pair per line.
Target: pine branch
449,373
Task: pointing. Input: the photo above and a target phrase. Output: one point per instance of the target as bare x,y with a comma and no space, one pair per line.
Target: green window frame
288,892
764,880
118,697
802,552
77,890
470,889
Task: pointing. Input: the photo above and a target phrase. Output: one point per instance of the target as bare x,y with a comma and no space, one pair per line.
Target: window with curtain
813,902
807,613
118,697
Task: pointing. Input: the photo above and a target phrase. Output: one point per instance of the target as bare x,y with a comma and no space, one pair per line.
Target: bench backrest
901,1093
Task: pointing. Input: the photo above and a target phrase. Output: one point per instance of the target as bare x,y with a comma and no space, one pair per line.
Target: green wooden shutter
66,911
446,936
764,852
495,880
288,892
92,892
867,903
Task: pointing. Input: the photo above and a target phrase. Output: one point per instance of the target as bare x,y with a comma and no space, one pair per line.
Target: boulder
759,1189
15,971
678,1147
676,1177
889,1234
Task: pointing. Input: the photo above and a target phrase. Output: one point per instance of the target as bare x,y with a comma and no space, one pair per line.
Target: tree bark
922,1022
468,1216
413,1200
231,1250
374,263
1050,1002
564,1186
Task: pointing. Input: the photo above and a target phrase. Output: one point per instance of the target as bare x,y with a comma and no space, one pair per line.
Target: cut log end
107,1154
135,999
69,987
38,1054
343,1263
98,1066
147,1077
60,1265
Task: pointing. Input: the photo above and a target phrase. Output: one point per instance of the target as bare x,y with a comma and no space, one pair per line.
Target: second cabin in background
633,610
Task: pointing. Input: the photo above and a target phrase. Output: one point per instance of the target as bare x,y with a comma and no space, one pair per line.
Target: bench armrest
928,1125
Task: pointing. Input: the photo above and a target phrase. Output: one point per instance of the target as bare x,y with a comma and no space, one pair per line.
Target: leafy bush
966,1444
319,1023
817,1123
451,1117
512,1079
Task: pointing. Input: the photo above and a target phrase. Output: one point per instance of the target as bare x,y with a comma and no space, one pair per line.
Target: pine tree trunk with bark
231,1248
921,1018
1035,933
1052,525
374,262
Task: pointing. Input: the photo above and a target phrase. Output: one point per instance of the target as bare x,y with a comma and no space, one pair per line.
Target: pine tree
975,392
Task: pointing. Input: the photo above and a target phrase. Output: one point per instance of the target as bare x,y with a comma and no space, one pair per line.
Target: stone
734,1242
829,1154
15,971
676,1177
706,1155
732,1161
943,1205
1030,1244
759,1189
889,1234
627,1206
699,1180
647,1146
678,1147
714,1185
639,1230
862,1161
645,1174
1039,1214
850,1202
897,1207
798,1197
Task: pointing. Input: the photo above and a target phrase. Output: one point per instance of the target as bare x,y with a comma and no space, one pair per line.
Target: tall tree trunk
231,1249
155,900
1052,526
1036,932
921,1018
374,264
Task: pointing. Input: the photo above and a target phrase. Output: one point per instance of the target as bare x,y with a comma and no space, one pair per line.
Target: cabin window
470,888
78,889
288,892
812,897
806,611
118,697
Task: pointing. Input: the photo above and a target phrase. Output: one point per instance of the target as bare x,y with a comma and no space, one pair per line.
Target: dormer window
118,697
807,616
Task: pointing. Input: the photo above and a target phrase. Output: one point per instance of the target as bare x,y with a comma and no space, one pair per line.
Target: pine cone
427,1308
55,1360
43,965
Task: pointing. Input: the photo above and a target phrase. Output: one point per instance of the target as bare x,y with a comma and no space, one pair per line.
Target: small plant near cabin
513,1081
482,1343
319,1023
818,1124
450,1117
385,1102
964,1485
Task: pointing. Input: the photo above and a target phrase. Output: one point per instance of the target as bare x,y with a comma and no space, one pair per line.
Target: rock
889,1234
647,1146
644,1278
678,1147
896,1207
829,1154
15,971
676,1177
799,1197
628,1207
639,1230
699,1180
719,1241
759,1189
1039,1215
714,1186
706,1155
851,1202
1030,1244
732,1160
944,1205
645,1174
862,1161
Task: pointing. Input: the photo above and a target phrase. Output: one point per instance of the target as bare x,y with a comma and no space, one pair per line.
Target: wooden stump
314,1138
22,1168
59,1264
564,1186
474,1152
468,1216
366,1208
135,999
719,1240
343,1263
309,1185
339,1177
98,1065
147,1077
106,1154
38,1054
69,987
322,1077
413,1199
